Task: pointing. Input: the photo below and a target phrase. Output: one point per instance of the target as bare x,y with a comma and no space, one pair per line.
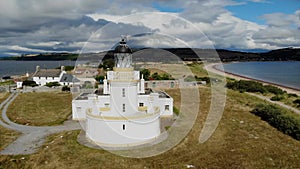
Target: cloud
54,25
283,20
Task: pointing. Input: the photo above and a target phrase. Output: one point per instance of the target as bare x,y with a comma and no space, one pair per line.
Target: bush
279,119
277,98
292,95
176,111
65,88
29,83
51,84
156,76
297,101
274,90
248,86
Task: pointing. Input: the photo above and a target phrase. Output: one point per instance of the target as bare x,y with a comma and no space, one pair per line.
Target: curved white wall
111,132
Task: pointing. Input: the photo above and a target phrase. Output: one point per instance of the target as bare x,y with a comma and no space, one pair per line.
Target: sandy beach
211,68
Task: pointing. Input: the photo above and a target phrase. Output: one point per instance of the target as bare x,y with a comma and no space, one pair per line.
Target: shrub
279,119
273,89
277,98
51,84
248,86
65,88
165,76
292,95
297,101
29,83
176,111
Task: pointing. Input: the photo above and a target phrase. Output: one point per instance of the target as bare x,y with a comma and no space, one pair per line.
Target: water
281,73
10,68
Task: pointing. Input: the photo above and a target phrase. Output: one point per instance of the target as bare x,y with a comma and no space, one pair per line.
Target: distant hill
185,54
43,57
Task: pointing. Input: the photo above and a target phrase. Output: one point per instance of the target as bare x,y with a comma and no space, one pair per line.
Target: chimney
62,68
37,68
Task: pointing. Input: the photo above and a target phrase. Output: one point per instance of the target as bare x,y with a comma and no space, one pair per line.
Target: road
32,137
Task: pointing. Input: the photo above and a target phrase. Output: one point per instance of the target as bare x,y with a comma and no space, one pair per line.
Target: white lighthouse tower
124,114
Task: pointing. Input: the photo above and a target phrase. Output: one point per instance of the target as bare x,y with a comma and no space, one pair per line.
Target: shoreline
212,68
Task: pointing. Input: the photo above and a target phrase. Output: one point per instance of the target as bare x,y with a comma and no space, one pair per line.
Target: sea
11,68
284,73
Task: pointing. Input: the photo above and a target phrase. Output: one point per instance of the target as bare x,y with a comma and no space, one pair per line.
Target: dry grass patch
241,140
3,96
6,137
39,109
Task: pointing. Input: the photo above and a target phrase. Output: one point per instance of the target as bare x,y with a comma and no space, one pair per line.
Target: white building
44,76
123,113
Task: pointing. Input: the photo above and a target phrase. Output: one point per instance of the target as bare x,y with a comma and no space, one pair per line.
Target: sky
33,26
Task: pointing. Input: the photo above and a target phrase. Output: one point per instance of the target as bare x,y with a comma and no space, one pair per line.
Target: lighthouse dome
123,47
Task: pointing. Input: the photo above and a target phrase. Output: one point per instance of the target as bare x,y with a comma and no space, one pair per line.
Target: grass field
39,109
241,140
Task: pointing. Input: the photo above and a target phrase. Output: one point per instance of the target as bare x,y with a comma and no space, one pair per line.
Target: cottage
44,76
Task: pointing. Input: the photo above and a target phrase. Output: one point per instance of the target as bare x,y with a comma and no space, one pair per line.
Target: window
141,104
78,109
154,84
172,84
106,104
123,126
123,107
123,92
167,107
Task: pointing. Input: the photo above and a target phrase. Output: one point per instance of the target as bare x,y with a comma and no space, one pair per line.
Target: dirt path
32,136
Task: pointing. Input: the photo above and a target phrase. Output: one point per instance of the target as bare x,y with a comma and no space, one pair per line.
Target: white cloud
37,26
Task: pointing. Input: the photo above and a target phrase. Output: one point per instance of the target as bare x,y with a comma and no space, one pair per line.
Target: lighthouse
125,113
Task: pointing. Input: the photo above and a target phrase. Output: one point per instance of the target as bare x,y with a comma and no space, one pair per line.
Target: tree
107,64
146,73
99,79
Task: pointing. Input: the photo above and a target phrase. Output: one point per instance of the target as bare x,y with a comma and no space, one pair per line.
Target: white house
43,76
123,113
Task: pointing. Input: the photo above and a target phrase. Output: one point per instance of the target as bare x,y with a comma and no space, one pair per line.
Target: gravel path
32,137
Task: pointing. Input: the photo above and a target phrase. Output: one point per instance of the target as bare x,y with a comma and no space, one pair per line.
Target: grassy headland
242,140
